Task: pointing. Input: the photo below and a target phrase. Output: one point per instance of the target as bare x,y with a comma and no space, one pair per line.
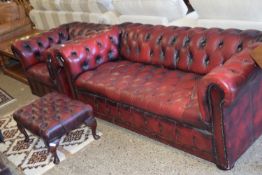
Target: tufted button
173,40
99,44
98,59
61,35
110,55
176,57
202,43
240,47
162,54
27,47
220,44
159,39
190,58
151,52
186,41
206,60
87,49
37,55
111,38
40,44
73,53
85,65
147,37
50,39
233,71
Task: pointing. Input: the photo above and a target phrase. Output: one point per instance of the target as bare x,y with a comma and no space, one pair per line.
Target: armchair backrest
79,29
196,50
30,51
88,53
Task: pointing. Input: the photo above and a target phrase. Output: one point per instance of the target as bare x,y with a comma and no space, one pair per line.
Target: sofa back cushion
197,50
171,9
89,52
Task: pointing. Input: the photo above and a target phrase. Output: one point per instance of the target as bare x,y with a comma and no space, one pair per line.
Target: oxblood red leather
40,71
35,50
193,88
197,50
86,54
230,78
153,89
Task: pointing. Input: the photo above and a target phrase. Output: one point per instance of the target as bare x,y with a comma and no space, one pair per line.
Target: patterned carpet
33,158
5,98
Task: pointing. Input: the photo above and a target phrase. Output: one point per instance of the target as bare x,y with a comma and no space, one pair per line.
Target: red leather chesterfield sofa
44,76
196,89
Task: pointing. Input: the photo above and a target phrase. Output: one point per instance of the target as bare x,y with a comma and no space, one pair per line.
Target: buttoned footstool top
52,116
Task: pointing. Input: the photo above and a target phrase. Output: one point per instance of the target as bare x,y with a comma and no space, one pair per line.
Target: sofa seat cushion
40,73
168,93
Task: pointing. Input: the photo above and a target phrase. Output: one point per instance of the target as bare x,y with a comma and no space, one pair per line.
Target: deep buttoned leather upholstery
52,116
194,88
153,89
35,50
196,50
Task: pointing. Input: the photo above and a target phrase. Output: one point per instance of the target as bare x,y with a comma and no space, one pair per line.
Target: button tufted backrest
87,53
197,50
80,29
30,51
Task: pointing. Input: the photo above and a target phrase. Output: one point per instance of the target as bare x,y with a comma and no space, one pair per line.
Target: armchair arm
88,53
230,77
30,51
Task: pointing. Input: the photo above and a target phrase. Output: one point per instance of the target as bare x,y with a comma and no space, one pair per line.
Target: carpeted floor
121,151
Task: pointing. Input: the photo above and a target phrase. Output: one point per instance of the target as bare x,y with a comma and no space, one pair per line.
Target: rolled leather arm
229,78
31,51
88,53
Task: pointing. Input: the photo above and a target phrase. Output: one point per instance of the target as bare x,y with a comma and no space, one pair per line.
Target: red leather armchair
43,74
196,89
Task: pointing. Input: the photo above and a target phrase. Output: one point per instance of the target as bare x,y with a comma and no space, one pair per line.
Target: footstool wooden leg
23,131
91,122
52,146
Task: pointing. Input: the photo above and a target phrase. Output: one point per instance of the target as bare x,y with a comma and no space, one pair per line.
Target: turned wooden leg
1,137
52,146
91,122
23,131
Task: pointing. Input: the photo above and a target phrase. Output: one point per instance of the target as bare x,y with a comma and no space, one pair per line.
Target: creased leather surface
230,77
154,89
53,115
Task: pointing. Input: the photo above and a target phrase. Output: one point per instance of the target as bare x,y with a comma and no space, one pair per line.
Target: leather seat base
154,89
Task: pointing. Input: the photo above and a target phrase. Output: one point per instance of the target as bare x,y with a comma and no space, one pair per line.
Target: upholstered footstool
53,116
